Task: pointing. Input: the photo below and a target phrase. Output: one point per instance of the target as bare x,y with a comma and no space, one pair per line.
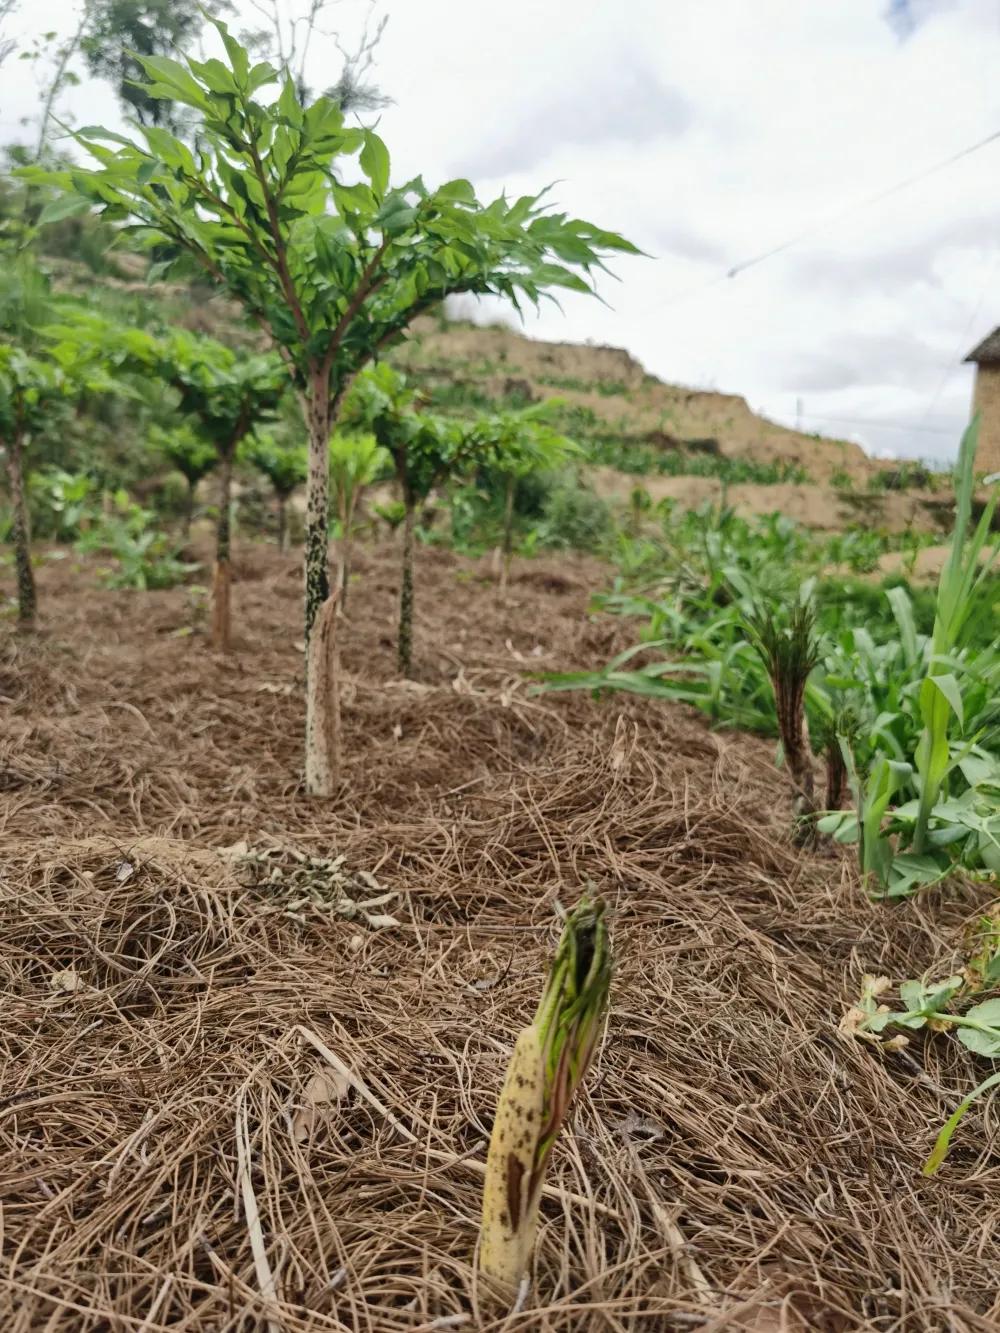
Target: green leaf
169,79
66,206
99,132
374,161
462,191
983,1043
879,1022
148,170
216,77
950,689
902,609
912,994
238,56
289,106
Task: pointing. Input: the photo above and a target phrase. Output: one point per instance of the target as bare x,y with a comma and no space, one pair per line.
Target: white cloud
709,134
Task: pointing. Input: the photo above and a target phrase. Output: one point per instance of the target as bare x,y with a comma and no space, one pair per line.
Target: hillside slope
612,386
690,445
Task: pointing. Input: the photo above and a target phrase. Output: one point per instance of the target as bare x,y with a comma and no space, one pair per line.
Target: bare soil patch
179,1151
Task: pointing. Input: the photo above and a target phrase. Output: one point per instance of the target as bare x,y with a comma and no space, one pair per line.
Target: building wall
986,401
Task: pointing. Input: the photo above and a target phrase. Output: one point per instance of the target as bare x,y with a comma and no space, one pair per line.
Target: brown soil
179,1144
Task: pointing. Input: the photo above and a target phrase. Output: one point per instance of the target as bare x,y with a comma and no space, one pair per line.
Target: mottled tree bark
322,707
323,703
27,601
508,534
189,507
282,523
222,577
404,654
346,516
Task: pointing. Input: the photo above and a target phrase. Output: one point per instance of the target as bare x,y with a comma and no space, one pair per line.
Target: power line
955,361
889,425
736,269
875,198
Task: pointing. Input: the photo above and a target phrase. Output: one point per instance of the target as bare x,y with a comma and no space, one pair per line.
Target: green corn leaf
943,1142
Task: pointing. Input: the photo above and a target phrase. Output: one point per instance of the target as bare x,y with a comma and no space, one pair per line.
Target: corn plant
941,692
550,1061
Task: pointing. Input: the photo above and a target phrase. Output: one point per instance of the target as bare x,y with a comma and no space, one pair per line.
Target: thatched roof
987,353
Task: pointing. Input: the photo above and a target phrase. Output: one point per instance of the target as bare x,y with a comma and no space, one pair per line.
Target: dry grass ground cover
228,1107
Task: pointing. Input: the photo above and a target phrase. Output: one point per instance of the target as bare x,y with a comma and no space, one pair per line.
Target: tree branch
363,290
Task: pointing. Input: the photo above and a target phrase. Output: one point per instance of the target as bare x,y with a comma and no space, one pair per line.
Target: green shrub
144,557
61,503
574,518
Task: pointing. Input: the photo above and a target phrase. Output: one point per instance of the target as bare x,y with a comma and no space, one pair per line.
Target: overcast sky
709,132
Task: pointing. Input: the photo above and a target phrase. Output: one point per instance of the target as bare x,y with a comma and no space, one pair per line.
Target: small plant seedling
928,1005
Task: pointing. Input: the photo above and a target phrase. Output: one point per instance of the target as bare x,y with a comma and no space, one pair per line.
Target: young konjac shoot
550,1061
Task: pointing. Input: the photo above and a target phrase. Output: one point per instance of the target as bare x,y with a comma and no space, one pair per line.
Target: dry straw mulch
223,1111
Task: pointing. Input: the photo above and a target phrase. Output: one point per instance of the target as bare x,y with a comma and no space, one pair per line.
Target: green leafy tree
32,393
118,34
7,44
517,444
37,397
42,376
224,395
192,455
355,462
334,270
425,451
284,466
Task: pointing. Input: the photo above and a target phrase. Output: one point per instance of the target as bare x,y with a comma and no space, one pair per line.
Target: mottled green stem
282,523
27,601
221,579
405,644
508,534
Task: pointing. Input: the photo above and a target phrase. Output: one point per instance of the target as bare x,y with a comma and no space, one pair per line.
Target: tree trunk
836,775
26,598
405,644
221,579
189,508
282,524
344,573
321,705
508,535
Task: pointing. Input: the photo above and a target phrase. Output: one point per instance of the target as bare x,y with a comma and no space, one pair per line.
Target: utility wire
955,361
870,421
875,198
823,225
